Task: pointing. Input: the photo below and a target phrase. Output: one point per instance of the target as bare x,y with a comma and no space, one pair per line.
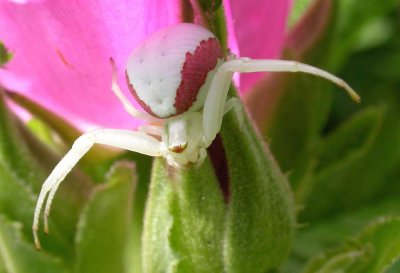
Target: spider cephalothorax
180,78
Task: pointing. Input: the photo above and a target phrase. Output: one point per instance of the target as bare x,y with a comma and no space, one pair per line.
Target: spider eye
178,148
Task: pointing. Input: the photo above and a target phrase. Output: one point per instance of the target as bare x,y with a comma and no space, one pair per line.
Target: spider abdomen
166,73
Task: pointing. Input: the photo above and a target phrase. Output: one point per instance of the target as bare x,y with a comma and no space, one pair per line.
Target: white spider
180,78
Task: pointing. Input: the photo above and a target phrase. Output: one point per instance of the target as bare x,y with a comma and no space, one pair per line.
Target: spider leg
230,103
124,139
215,103
154,130
125,102
246,65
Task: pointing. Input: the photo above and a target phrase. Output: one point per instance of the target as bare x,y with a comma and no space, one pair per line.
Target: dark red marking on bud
194,72
135,95
217,154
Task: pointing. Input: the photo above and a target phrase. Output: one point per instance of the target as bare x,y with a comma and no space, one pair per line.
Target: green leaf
375,33
42,131
350,155
375,73
354,136
260,217
24,161
368,151
17,202
5,55
184,220
17,198
384,236
297,123
315,238
373,251
354,17
103,229
14,152
67,131
18,256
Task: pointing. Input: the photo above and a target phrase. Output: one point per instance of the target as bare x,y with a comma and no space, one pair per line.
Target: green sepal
104,225
5,55
143,164
187,227
373,251
184,220
19,256
260,217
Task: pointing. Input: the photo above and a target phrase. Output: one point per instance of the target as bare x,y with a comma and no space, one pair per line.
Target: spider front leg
154,130
129,140
214,105
216,98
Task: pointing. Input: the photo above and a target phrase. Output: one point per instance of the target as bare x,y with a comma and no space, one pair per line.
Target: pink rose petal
62,50
259,31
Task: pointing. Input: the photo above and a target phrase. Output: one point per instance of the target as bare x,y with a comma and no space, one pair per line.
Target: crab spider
180,78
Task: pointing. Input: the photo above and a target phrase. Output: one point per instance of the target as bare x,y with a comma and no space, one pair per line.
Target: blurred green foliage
351,174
